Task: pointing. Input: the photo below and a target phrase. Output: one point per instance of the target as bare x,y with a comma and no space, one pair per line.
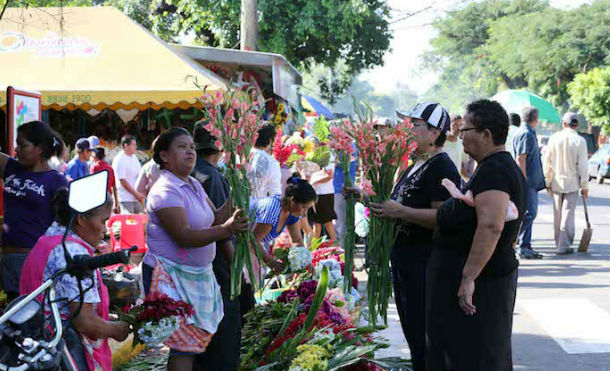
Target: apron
97,351
198,287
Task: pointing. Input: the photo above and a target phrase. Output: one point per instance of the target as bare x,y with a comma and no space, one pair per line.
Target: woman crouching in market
89,348
273,214
472,273
182,232
419,187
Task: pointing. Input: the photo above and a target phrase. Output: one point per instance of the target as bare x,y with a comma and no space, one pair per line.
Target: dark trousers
222,354
409,279
459,342
531,211
147,272
11,274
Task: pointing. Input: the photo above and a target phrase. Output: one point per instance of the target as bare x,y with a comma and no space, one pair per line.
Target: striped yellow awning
94,57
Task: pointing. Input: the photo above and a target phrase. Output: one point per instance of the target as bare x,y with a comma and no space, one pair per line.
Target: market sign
49,45
23,106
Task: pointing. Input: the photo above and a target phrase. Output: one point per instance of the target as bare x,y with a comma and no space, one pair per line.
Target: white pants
340,221
564,208
131,207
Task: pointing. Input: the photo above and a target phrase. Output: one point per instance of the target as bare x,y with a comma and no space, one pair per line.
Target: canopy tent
94,58
315,107
231,65
514,101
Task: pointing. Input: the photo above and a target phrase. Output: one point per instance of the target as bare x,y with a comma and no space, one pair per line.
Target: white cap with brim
432,113
570,118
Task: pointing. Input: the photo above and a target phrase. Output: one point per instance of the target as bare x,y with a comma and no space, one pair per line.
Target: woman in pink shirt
182,231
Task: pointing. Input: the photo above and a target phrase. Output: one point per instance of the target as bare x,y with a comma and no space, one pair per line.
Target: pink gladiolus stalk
380,151
341,143
234,120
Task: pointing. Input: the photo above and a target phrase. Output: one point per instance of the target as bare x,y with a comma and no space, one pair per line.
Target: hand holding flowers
234,120
381,153
155,319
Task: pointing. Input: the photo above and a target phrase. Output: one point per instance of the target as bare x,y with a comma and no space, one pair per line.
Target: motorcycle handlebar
82,264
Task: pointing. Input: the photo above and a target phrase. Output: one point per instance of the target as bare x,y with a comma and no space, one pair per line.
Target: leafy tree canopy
352,33
495,44
590,93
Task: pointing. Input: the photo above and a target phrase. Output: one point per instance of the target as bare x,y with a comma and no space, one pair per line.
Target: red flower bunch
287,296
365,366
322,253
306,289
283,152
157,306
293,328
321,321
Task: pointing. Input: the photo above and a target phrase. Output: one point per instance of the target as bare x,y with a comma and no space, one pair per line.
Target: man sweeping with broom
565,171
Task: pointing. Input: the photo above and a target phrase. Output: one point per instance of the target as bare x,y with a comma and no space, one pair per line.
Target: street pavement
562,313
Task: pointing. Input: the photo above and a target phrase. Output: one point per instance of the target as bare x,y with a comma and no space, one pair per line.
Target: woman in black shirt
472,273
419,187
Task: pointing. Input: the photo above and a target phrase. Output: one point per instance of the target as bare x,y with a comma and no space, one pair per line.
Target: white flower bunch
153,334
334,272
299,258
322,337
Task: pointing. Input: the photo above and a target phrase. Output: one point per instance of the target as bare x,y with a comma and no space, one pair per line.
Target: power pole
249,25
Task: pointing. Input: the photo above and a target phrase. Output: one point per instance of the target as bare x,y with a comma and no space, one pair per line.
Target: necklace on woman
426,155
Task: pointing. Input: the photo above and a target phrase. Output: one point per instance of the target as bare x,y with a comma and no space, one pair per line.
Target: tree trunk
4,8
249,25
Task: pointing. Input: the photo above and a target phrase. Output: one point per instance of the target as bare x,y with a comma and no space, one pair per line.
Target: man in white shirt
265,175
127,167
514,121
565,171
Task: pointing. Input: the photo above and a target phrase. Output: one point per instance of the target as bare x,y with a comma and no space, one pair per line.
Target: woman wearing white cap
419,187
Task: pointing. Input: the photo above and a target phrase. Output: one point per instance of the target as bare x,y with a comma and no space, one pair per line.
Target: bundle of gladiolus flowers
155,319
341,143
307,328
286,154
234,120
380,151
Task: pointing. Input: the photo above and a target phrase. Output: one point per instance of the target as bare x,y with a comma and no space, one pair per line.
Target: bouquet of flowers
286,154
299,258
155,319
380,154
334,271
342,144
307,328
320,156
234,120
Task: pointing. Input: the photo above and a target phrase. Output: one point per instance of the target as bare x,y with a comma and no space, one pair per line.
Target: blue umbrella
313,105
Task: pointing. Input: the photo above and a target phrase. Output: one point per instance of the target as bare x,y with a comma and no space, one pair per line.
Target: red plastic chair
133,227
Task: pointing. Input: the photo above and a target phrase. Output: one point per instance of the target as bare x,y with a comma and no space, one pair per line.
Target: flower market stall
273,76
